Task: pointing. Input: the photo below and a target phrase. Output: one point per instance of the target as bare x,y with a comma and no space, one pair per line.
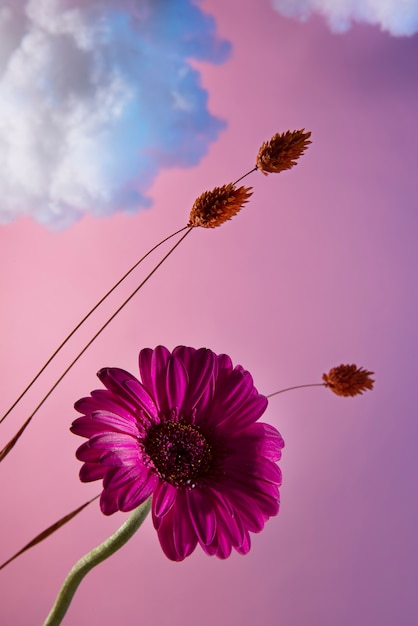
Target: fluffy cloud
96,96
398,17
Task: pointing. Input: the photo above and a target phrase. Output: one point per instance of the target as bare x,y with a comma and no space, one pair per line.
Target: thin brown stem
296,387
245,175
13,441
95,307
8,447
49,531
85,318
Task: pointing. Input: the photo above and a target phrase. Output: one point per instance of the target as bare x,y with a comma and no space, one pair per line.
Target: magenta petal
102,400
202,515
176,384
116,422
164,528
163,499
86,453
102,421
156,520
120,456
256,467
153,369
85,427
274,443
117,477
109,402
236,530
254,485
175,531
259,441
185,539
223,366
185,355
221,500
228,520
142,398
244,548
223,506
91,471
88,405
113,441
247,412
201,413
223,541
132,495
114,379
129,388
270,442
248,510
230,396
110,449
268,471
109,502
200,368
263,496
144,363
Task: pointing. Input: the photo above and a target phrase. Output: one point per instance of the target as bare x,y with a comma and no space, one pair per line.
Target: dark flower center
179,452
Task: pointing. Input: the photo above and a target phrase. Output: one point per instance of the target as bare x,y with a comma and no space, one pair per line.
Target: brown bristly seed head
213,208
282,151
348,380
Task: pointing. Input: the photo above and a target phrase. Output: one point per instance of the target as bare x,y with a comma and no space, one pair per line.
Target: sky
318,269
96,98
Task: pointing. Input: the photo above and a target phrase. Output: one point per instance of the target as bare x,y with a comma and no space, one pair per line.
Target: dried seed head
215,207
348,380
282,151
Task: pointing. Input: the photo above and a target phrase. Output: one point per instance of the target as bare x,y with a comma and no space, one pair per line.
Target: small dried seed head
348,380
215,207
282,151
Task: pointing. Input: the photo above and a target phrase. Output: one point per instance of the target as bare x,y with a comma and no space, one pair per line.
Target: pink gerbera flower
187,435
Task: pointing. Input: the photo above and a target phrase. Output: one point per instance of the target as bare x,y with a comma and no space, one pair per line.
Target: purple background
318,269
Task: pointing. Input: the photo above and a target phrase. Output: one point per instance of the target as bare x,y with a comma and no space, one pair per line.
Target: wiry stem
10,445
49,531
296,387
94,308
245,175
93,558
85,318
46,533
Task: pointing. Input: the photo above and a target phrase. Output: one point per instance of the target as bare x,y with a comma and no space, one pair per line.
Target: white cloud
398,17
96,96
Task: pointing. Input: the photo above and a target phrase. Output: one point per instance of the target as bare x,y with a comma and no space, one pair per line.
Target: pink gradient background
319,269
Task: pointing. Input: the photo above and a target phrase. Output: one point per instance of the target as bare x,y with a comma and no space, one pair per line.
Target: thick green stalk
109,546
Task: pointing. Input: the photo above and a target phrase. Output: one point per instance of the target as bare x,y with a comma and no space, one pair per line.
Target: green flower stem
109,546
